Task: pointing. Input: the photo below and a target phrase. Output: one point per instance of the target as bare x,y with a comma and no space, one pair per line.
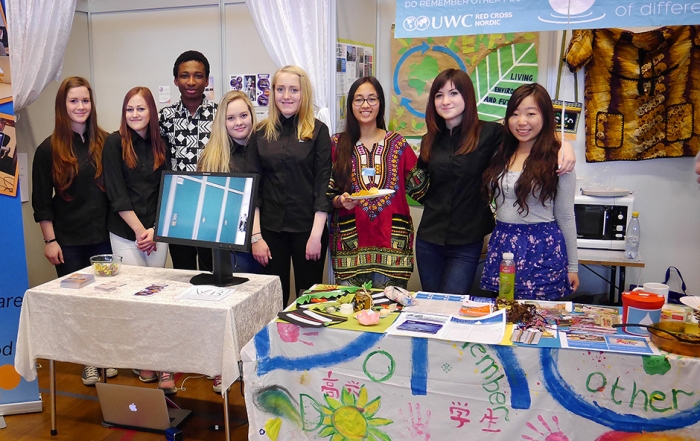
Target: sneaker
147,376
111,372
90,375
211,377
167,382
217,384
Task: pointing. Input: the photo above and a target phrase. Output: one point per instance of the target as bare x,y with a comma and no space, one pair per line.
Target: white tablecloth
158,332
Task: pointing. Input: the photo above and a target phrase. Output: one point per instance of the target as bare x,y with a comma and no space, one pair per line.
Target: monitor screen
209,210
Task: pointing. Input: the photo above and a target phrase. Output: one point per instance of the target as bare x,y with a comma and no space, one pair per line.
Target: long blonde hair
216,156
305,115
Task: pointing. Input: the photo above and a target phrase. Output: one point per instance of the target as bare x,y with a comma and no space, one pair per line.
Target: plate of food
370,194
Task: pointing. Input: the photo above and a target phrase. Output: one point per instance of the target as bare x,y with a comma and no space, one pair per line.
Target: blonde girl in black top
68,193
228,151
294,153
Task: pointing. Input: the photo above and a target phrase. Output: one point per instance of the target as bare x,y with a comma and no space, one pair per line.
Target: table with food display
451,367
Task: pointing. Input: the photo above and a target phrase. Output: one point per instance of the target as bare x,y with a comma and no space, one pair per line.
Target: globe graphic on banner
577,6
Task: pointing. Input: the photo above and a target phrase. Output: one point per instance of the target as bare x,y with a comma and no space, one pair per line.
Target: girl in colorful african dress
534,207
372,239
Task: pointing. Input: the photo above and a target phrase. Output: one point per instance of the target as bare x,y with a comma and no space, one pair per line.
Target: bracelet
256,234
49,241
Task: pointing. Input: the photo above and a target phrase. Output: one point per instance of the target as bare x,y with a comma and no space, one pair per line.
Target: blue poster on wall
16,394
440,18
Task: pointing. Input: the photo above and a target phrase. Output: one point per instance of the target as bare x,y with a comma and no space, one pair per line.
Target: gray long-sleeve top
561,210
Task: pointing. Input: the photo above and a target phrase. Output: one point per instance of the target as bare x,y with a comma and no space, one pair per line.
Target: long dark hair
539,177
342,168
470,127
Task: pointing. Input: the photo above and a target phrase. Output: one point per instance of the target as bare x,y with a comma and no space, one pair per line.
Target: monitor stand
223,271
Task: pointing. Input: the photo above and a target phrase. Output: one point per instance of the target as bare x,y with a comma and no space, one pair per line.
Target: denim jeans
77,257
245,263
447,269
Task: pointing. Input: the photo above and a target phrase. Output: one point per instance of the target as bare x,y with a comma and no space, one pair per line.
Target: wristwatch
255,238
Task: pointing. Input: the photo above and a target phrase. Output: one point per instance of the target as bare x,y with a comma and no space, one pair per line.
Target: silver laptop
139,408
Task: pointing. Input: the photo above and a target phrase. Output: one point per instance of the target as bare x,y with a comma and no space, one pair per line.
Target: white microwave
601,222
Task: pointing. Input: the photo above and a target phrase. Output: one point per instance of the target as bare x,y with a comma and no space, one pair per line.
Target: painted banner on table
433,18
16,394
325,383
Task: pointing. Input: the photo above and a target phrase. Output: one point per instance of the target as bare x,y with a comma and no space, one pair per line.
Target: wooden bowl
667,343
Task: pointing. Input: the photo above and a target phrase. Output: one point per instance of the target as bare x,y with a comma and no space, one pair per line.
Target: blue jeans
447,269
77,257
245,263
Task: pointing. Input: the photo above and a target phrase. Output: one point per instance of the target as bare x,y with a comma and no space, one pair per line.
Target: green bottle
506,277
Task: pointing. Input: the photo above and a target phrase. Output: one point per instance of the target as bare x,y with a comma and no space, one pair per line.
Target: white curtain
299,32
38,31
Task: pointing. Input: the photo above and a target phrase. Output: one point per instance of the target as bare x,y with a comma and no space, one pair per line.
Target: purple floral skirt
541,263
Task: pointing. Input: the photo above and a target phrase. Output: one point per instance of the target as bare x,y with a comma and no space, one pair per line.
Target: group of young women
94,193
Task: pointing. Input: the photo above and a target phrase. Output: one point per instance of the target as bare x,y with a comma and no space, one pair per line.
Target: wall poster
497,64
353,60
256,86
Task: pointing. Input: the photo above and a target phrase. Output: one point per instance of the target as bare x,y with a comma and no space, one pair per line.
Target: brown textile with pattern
641,92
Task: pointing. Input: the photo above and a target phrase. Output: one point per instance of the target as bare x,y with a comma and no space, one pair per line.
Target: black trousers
186,257
286,247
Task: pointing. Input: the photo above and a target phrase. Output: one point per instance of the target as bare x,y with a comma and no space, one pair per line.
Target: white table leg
52,388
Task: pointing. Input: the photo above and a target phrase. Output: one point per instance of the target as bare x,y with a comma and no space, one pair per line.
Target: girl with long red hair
134,159
68,192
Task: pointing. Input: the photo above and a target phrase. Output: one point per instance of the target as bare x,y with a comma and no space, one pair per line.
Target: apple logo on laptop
132,407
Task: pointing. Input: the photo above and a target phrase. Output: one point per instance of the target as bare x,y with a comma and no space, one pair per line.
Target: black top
131,189
242,160
294,176
83,219
454,212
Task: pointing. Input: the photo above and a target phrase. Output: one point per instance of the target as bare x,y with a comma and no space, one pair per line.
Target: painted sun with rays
352,418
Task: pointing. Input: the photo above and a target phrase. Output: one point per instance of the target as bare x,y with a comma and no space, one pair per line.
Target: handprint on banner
417,428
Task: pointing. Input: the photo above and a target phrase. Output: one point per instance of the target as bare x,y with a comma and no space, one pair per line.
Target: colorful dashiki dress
377,235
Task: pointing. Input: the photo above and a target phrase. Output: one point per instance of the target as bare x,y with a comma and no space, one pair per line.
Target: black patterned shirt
186,134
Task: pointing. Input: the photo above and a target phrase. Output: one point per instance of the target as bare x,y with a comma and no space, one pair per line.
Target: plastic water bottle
632,237
506,277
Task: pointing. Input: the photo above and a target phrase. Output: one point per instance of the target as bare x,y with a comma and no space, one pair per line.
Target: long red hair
65,163
157,144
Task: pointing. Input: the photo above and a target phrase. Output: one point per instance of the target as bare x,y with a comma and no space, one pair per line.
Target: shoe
211,377
90,375
147,376
217,384
111,372
167,383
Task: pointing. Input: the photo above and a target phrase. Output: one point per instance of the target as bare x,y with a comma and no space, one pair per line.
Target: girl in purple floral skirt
534,207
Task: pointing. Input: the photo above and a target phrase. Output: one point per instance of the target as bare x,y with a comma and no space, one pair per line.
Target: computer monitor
210,210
